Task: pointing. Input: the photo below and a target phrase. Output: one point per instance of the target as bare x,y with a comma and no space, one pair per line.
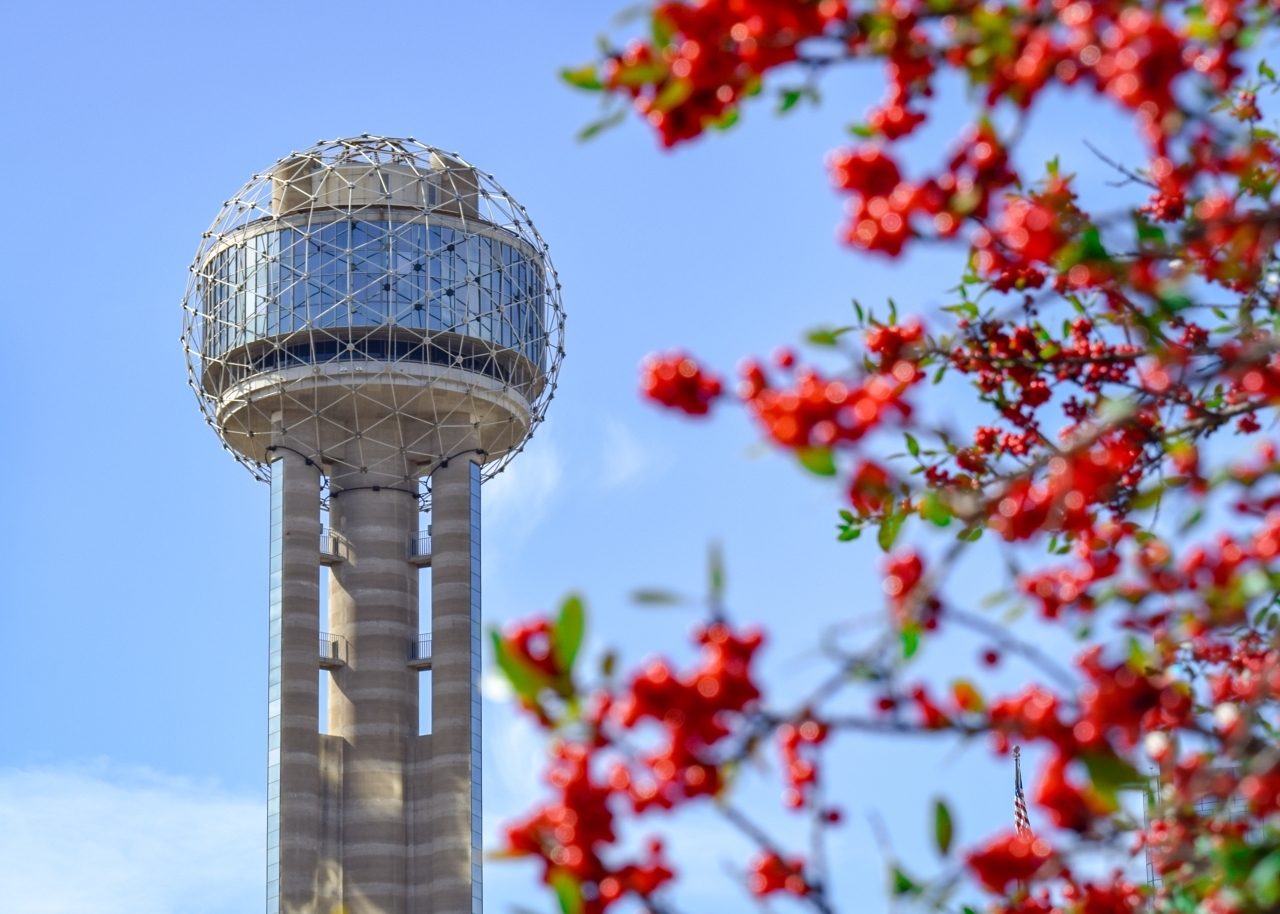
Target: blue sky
135,552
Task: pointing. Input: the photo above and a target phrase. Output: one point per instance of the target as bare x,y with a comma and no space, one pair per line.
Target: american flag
1020,821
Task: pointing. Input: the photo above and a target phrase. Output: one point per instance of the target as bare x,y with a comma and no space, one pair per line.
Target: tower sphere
373,304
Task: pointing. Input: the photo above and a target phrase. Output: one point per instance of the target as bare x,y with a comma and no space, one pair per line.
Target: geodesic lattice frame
372,259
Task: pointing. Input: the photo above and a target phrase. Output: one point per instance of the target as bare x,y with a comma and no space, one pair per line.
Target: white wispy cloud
625,457
518,497
519,760
103,839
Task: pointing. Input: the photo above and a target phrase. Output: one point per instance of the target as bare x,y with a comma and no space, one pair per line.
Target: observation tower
374,327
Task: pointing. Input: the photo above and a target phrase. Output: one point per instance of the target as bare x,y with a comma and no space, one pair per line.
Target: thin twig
1133,176
817,895
1013,645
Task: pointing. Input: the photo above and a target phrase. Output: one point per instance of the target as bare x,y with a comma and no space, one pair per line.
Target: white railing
333,648
420,545
333,545
420,649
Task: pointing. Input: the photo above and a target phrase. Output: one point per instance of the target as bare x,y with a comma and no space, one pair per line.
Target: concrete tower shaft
368,314
373,699
455,767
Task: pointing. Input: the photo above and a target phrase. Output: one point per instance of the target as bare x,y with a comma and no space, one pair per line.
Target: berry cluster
769,873
570,833
693,710
883,206
1010,859
818,412
695,713
801,773
677,381
1114,351
714,56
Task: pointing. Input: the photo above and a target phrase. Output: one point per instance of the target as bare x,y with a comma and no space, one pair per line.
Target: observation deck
365,301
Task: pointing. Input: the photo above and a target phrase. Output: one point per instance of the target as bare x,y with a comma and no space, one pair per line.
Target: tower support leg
455,769
293,815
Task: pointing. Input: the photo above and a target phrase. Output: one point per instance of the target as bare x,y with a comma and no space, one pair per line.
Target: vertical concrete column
420,826
293,828
373,701
454,808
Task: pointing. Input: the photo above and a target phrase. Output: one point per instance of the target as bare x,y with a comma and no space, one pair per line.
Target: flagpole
1021,822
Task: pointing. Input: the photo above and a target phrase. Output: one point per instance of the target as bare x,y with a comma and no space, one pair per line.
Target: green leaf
827,337
715,572
673,94
1147,231
654,597
662,29
1109,772
890,527
943,830
601,125
726,120
527,681
910,641
861,130
903,884
566,636
846,516
1264,70
568,890
608,664
848,533
994,599
817,460
639,75
1140,659
584,77
1148,499
934,510
1087,248
790,98
913,446
507,853
1172,303
1265,880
